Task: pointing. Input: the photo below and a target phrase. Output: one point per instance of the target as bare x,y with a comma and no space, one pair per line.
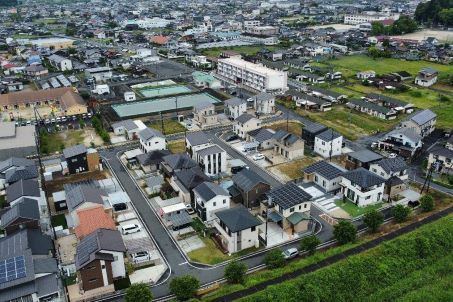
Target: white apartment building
355,19
212,159
252,76
251,23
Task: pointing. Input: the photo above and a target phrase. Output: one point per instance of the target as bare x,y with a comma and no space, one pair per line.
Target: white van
130,228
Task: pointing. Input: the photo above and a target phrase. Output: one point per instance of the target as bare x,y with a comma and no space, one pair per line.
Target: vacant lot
292,170
178,146
292,127
170,126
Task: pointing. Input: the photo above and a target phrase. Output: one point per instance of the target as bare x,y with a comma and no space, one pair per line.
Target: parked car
119,207
189,209
231,137
130,229
290,253
140,257
258,156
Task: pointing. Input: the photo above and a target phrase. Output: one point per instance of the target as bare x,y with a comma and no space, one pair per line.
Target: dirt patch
57,184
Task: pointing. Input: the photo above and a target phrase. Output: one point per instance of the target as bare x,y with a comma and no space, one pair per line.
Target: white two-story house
325,174
235,107
423,122
212,159
245,123
264,103
394,171
209,199
151,139
328,143
362,187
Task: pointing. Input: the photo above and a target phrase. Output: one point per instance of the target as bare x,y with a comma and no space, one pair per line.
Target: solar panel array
12,269
288,195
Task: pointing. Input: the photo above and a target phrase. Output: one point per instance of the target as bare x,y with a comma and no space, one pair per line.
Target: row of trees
435,12
185,287
100,130
403,25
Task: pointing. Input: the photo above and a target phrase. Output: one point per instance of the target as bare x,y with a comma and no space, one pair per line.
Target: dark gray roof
328,135
152,157
244,118
288,195
127,124
428,70
28,187
74,151
238,219
234,102
261,134
264,96
213,149
101,239
18,173
81,194
440,150
15,162
392,164
197,138
422,117
179,161
363,178
45,265
246,180
369,105
202,105
148,133
325,169
381,97
26,209
284,137
365,156
190,178
330,93
154,181
46,285
208,190
314,128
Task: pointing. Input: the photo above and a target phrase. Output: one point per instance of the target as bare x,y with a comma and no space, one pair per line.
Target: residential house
100,259
151,140
245,123
364,75
309,102
16,141
310,77
204,114
205,80
196,140
92,219
362,187
23,189
264,103
59,62
177,162
328,95
386,101
291,207
441,157
235,107
209,199
184,181
310,131
288,145
325,174
16,168
76,158
248,188
212,159
362,158
36,71
403,141
328,143
426,77
80,195
151,161
372,109
423,122
100,74
264,137
23,215
128,128
238,229
394,171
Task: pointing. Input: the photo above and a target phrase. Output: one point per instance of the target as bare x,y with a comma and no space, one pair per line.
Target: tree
138,292
427,203
373,219
400,213
446,16
235,272
274,259
184,287
309,244
345,232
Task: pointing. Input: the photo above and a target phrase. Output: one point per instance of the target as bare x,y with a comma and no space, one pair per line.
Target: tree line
435,12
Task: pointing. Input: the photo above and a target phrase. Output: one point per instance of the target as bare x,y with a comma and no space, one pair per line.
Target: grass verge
354,210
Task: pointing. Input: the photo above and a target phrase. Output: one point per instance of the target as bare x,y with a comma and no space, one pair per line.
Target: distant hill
8,2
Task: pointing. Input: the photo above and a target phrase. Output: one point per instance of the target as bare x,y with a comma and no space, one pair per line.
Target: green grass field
170,126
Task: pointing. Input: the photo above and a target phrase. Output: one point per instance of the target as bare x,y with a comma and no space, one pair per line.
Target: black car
119,207
231,137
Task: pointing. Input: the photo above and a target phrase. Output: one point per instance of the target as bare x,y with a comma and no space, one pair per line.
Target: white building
369,17
129,96
362,187
264,103
245,123
212,159
423,122
251,23
147,22
209,199
235,107
60,62
390,167
128,128
101,74
426,77
325,174
252,76
328,143
151,139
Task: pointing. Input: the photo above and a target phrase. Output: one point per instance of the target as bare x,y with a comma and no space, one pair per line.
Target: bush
373,219
184,287
427,203
309,244
415,93
443,98
274,259
345,232
235,272
139,292
400,213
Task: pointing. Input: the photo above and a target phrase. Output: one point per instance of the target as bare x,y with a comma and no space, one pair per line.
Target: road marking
183,263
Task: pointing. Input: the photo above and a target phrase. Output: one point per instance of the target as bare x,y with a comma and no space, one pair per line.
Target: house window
316,178
214,204
300,207
368,197
224,201
291,210
103,266
253,229
305,206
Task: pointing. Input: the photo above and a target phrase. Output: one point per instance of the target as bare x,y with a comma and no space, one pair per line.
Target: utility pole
162,122
268,203
331,145
287,120
429,175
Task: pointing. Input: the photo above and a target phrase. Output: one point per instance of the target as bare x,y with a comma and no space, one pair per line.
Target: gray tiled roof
410,133
234,102
101,239
26,209
247,179
197,138
179,161
422,117
154,181
28,187
190,178
263,96
127,124
363,178
148,133
74,151
152,157
365,156
314,127
202,105
45,265
325,169
238,218
261,134
213,149
328,135
15,162
18,173
371,106
244,118
81,194
392,164
288,195
208,190
438,149
387,99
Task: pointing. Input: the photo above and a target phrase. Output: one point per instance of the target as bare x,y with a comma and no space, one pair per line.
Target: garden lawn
354,210
170,126
209,254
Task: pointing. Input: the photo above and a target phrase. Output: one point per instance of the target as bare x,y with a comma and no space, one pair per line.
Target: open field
178,146
442,35
248,50
170,126
354,210
292,127
414,267
293,169
208,254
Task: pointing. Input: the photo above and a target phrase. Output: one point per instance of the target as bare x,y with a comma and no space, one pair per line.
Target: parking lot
252,154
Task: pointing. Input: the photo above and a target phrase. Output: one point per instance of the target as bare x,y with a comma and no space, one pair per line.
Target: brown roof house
100,259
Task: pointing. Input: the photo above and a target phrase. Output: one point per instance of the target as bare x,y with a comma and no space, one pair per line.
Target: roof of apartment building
238,218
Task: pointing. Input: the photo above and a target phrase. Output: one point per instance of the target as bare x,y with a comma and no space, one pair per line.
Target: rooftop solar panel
12,269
